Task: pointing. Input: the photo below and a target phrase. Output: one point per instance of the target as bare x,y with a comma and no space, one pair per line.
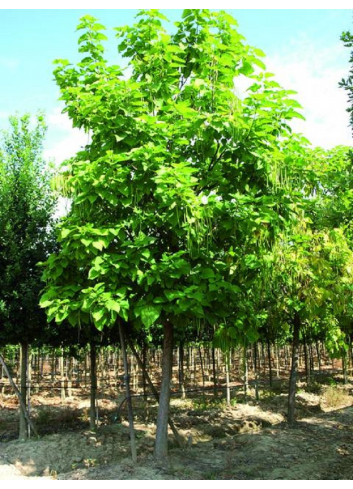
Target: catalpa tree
176,184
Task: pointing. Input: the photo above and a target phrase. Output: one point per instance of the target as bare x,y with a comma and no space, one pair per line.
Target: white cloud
63,207
4,115
314,72
303,65
63,141
67,147
9,63
59,120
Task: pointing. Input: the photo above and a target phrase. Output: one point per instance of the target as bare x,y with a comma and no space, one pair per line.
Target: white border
140,4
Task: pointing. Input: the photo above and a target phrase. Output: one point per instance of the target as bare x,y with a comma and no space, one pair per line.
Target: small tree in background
347,83
27,206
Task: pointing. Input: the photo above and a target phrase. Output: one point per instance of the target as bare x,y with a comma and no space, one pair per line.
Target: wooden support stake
17,392
128,395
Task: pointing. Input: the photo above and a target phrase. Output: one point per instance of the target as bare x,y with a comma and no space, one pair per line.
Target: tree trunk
245,373
263,359
227,378
214,373
318,356
29,383
202,369
193,367
181,370
69,368
144,368
161,446
23,432
306,360
93,373
154,391
344,367
277,360
43,357
256,375
2,380
311,358
53,366
294,369
18,394
62,376
128,395
269,361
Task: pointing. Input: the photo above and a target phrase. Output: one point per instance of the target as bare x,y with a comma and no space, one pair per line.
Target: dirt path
247,441
10,472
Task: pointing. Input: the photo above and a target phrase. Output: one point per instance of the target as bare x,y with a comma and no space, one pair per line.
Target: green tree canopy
178,189
26,238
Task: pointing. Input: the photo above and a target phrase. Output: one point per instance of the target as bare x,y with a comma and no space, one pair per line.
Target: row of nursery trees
195,211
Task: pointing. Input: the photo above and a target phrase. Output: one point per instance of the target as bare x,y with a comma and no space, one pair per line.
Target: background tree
27,206
347,83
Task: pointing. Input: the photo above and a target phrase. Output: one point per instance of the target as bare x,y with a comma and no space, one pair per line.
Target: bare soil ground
246,441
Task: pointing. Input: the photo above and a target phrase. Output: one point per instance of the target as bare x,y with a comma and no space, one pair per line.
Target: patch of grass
278,387
212,475
334,397
314,388
55,420
267,395
204,404
90,462
43,417
84,416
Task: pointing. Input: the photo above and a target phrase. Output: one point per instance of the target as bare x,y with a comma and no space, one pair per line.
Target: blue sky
302,47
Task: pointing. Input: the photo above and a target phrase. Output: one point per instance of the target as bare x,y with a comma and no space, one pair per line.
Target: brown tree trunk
202,369
277,361
256,375
344,367
181,370
128,395
18,394
214,373
2,380
294,369
69,376
245,373
53,366
161,445
62,376
93,374
227,378
269,362
144,368
318,356
85,363
306,360
311,358
154,391
23,431
262,356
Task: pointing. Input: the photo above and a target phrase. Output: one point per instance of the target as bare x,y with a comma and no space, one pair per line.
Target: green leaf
98,315
99,244
149,314
65,232
207,273
113,305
